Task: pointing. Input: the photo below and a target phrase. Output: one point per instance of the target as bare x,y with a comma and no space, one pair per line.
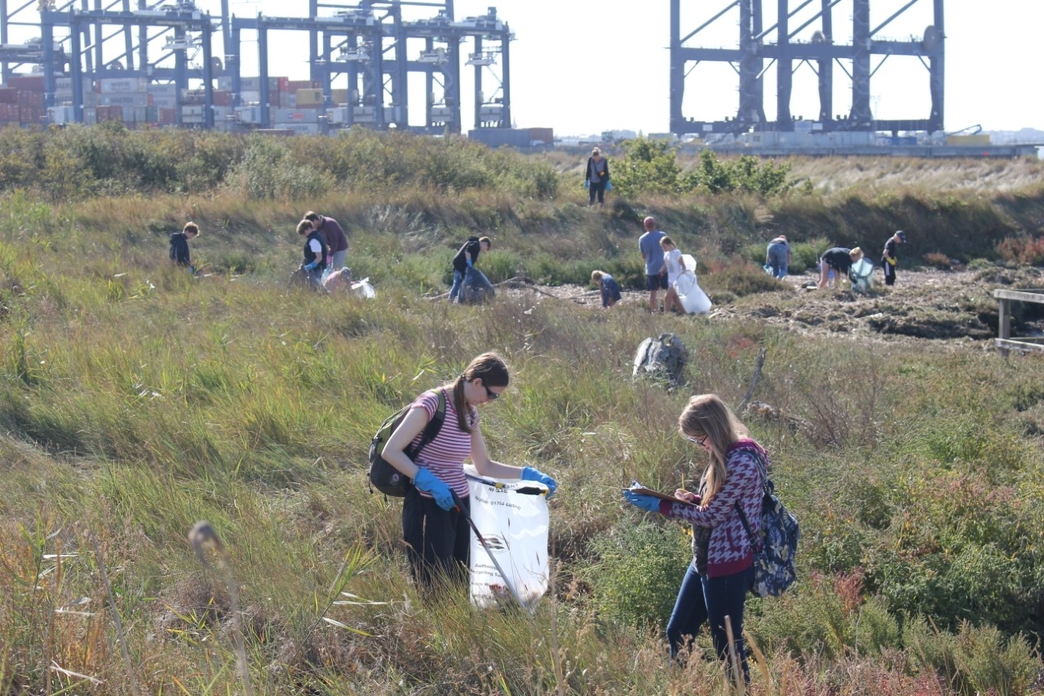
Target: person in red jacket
722,570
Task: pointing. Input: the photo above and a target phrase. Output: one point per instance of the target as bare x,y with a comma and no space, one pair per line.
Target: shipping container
130,99
541,135
9,95
222,97
61,114
248,114
339,96
977,140
250,97
9,113
109,113
193,110
299,128
64,85
166,89
295,85
295,115
117,85
164,102
90,115
309,97
499,137
32,83
275,84
337,115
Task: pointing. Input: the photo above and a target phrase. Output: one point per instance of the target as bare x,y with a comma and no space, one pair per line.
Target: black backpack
385,477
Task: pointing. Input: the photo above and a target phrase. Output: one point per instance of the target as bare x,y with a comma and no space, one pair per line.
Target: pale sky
583,66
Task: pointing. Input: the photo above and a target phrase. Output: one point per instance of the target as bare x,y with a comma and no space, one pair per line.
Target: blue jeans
702,599
777,258
455,289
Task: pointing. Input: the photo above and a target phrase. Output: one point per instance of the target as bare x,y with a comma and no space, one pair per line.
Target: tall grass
136,400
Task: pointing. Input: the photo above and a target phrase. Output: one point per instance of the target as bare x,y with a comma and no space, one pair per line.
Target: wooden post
1004,323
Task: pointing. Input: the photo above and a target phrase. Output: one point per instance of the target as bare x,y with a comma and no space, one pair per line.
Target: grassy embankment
136,401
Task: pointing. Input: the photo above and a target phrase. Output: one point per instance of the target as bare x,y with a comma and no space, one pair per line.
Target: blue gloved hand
468,262
431,484
587,183
310,266
648,503
608,185
531,474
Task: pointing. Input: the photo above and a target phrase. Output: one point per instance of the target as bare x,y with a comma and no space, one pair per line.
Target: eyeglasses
697,440
491,395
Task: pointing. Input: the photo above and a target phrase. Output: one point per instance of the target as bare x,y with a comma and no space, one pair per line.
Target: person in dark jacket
889,260
465,258
315,252
179,248
333,235
596,177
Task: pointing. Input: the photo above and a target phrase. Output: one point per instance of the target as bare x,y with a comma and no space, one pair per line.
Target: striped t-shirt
444,456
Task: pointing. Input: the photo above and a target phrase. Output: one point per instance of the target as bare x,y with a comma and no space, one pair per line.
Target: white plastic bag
692,297
363,289
689,262
514,524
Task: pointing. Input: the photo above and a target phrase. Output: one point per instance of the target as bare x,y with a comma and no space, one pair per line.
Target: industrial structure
155,62
758,48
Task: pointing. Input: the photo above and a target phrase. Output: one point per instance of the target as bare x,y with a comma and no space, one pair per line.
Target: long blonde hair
706,415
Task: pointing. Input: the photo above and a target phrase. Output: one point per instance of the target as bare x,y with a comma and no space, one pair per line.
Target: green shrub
648,166
831,617
977,660
638,571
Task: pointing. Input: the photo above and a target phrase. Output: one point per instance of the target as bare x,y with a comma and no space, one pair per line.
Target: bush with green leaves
638,571
648,166
975,660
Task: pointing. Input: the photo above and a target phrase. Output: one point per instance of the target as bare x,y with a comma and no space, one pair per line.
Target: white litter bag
512,518
363,289
692,297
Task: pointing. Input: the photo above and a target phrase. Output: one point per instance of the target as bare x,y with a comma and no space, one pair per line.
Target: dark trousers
710,600
889,270
438,543
598,189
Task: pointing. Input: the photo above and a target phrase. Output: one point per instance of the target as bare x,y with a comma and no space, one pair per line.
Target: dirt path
925,304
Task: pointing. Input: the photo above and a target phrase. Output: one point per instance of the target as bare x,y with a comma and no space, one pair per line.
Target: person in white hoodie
672,259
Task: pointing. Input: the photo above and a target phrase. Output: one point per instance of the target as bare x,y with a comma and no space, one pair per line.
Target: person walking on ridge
596,178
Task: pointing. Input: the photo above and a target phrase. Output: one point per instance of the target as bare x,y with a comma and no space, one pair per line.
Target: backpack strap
431,430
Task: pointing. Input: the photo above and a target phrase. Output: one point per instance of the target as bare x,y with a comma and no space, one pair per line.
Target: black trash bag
476,288
661,359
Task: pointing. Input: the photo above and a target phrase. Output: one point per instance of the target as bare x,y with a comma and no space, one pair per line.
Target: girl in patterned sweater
722,570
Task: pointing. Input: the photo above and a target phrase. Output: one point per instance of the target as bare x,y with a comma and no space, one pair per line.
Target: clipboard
656,494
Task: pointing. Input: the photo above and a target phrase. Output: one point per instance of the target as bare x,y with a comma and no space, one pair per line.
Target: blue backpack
776,543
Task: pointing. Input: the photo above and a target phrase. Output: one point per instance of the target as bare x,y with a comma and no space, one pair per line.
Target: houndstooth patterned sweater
729,550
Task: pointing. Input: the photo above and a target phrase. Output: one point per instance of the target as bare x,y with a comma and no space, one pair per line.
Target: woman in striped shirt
436,533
